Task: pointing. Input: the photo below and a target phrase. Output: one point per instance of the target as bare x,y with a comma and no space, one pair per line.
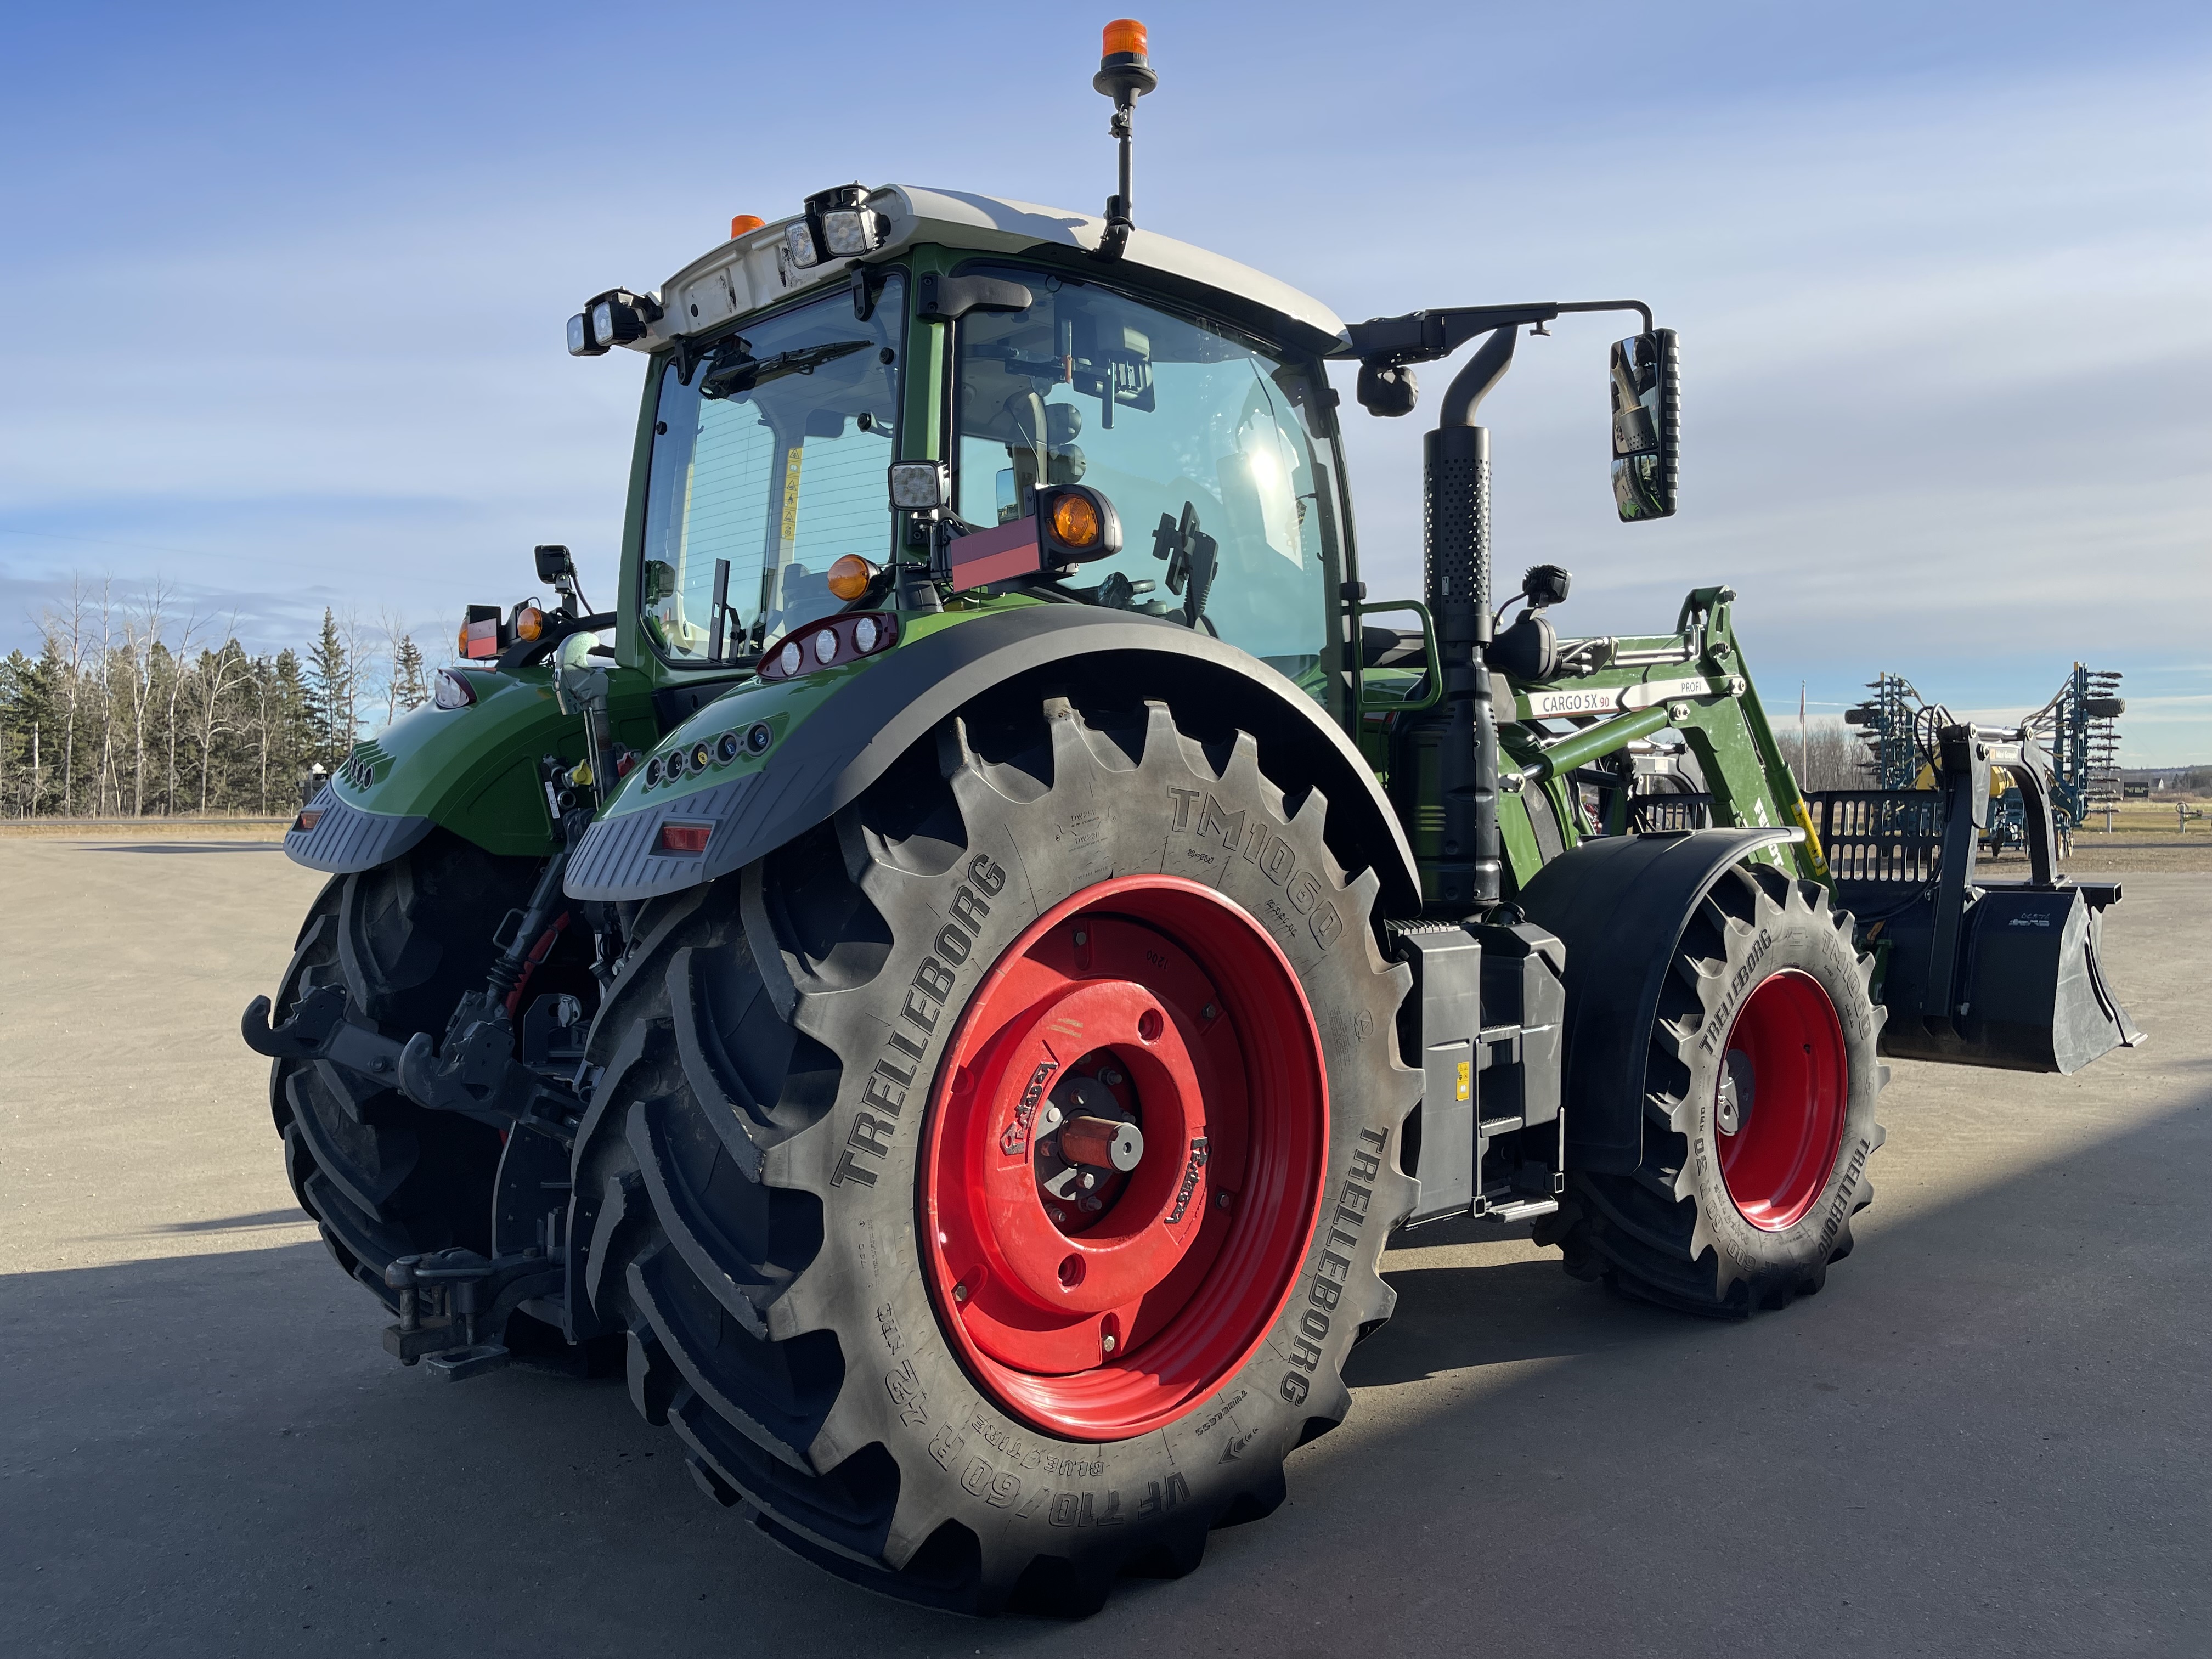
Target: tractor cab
986,348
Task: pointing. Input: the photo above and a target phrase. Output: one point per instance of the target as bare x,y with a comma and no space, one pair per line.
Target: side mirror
1647,424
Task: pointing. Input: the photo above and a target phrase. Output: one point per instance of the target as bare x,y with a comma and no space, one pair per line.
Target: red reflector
685,837
309,820
481,639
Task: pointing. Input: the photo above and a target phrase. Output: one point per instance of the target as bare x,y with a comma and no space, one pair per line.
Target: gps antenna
1125,75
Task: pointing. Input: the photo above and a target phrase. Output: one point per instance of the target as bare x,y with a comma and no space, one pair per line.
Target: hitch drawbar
448,1301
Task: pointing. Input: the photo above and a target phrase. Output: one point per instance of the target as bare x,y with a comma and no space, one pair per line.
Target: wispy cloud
1939,275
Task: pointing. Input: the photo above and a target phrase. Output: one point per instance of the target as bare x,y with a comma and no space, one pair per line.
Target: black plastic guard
1619,905
2031,992
852,740
346,839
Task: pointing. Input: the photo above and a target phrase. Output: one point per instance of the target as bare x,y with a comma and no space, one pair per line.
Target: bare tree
397,652
217,673
177,674
66,629
104,777
1833,757
366,651
143,647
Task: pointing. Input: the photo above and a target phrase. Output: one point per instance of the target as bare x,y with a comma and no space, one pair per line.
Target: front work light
798,240
921,486
617,317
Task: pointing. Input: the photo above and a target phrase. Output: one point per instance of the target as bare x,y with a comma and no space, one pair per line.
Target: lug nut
1221,1201
1107,1343
960,1293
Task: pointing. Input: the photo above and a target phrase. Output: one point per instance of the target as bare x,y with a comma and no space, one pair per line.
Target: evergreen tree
284,731
330,695
410,689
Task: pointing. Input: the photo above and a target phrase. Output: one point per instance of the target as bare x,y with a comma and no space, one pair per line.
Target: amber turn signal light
529,622
1075,521
851,576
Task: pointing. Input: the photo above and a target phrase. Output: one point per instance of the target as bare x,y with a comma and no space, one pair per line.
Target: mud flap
2032,993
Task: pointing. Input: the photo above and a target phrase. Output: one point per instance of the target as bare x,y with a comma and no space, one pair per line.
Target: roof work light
839,225
614,317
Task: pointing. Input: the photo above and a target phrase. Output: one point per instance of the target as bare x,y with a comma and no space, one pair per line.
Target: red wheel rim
1157,999
1786,1066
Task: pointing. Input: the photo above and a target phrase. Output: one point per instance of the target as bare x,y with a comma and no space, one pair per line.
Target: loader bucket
2031,995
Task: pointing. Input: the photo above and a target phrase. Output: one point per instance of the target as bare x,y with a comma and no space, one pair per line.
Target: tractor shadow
212,1454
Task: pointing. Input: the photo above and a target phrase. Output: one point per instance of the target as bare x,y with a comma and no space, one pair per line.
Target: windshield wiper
731,377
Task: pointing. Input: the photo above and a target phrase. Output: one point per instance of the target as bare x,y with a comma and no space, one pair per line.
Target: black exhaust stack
1456,566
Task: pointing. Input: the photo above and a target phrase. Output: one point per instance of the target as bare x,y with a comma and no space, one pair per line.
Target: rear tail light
309,819
830,644
688,840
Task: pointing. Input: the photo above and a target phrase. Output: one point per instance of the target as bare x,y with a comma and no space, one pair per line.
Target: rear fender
876,714
473,770
1620,904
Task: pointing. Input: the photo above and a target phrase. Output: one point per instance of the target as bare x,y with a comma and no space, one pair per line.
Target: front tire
1758,1114
816,1157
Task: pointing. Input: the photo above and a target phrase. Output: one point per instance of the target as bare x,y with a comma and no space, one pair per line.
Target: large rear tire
817,1150
1758,1112
382,1177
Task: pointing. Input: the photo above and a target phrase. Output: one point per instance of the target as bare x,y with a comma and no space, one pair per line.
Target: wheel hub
1124,1159
1786,1057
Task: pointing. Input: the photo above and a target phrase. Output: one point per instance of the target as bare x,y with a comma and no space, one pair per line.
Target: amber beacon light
1125,75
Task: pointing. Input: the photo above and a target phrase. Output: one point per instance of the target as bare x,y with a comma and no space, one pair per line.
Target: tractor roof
755,269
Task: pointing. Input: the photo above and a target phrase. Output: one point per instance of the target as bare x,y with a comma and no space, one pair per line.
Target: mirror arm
1423,336
1636,306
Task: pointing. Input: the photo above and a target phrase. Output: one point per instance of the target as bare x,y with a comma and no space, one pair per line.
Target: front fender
1618,904
473,770
871,715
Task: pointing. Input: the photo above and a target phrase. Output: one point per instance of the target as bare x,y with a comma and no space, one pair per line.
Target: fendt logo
1017,1137
1198,1161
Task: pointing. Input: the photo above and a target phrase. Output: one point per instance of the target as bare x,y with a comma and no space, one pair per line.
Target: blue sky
290,285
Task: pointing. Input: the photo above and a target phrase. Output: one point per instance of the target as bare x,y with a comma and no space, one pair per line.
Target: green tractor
954,999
